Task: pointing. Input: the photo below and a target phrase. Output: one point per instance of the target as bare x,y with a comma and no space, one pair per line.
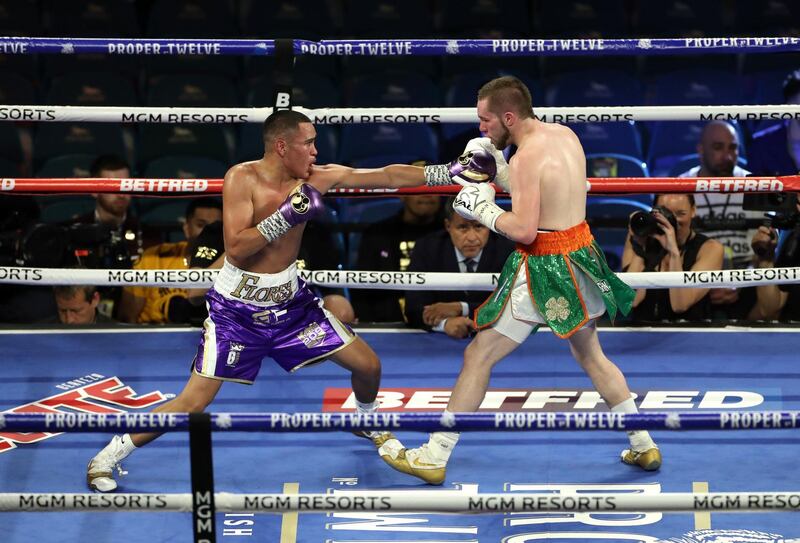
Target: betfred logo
109,395
432,399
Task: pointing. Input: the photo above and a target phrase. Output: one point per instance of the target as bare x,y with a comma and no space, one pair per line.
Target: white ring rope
390,280
432,501
391,115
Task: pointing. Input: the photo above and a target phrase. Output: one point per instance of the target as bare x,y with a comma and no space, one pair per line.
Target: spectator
117,241
151,305
112,210
463,246
677,248
721,216
781,302
387,246
77,304
776,149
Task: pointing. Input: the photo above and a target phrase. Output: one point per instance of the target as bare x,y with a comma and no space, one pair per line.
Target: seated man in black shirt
463,246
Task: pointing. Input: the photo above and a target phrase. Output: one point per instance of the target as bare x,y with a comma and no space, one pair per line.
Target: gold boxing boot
416,462
649,460
377,438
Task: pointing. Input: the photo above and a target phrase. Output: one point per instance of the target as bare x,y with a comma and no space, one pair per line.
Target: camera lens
643,224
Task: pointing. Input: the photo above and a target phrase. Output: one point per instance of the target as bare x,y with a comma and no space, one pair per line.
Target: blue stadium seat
92,19
615,165
698,87
16,89
612,240
595,88
602,138
67,166
54,139
677,18
62,209
128,66
26,66
475,18
773,18
203,140
308,89
20,18
380,19
191,19
309,19
260,67
91,89
582,18
405,143
394,89
185,167
192,90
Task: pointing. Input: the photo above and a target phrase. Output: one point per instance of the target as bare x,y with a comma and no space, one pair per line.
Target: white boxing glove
475,202
501,177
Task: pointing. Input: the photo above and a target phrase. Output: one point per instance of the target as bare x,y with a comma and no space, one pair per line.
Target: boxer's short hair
507,93
282,122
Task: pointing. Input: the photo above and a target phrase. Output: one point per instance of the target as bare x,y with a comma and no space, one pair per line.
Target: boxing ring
732,374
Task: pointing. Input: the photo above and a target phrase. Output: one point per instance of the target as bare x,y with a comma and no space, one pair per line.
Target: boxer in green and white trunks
558,275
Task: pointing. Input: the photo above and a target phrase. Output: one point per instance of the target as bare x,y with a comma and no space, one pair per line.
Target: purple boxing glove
303,204
473,166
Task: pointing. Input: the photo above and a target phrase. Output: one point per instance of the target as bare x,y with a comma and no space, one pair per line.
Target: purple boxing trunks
255,315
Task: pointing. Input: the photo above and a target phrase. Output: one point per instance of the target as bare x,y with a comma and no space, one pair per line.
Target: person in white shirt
721,216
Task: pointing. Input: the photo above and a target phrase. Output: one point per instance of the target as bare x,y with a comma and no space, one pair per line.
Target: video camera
782,214
54,246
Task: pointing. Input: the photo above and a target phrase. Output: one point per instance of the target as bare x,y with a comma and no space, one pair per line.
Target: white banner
204,278
38,113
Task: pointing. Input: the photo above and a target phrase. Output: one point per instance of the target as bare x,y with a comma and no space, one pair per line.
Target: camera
55,246
645,224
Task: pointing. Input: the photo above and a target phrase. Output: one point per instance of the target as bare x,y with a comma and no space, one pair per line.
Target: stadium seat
185,167
615,165
203,140
67,166
92,19
308,90
595,88
91,89
381,19
615,137
404,143
54,139
393,89
192,90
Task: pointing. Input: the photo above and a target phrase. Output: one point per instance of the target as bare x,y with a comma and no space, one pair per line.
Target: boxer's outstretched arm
332,176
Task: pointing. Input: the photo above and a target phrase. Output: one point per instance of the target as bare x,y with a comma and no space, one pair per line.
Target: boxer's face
469,237
300,153
492,125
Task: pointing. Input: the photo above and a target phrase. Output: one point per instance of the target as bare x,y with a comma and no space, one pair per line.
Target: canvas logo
108,395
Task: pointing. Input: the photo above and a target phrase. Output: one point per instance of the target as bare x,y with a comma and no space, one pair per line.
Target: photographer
664,240
781,302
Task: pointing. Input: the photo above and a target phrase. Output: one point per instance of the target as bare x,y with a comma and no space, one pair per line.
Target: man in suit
463,246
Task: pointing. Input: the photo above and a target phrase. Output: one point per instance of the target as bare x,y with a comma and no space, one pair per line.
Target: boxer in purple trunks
258,307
